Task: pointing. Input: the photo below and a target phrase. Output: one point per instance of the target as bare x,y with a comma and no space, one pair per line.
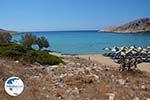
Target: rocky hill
11,32
78,79
136,26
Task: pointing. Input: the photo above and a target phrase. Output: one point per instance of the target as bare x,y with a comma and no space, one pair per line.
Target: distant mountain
11,32
136,26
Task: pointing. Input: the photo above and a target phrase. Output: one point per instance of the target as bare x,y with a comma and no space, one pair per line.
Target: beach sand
108,61
105,60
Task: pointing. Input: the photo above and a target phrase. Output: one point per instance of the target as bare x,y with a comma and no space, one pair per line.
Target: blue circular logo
14,86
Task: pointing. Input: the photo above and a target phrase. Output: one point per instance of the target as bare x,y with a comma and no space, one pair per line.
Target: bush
44,57
28,40
17,52
42,42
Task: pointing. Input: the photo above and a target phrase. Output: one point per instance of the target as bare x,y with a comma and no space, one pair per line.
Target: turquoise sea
89,42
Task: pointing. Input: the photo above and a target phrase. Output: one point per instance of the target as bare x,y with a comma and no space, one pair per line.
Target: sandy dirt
108,61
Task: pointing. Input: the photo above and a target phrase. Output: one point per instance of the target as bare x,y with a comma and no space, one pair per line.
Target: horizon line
58,31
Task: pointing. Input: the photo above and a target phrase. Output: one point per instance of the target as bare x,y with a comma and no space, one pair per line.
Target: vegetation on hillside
24,51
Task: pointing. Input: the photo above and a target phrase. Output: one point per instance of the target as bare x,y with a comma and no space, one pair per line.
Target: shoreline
103,60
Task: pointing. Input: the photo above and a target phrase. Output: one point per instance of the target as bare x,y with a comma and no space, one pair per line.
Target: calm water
89,42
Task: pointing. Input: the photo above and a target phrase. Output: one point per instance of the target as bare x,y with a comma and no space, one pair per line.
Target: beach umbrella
115,49
148,47
143,52
119,53
107,49
123,48
133,52
123,54
145,49
132,47
139,48
128,51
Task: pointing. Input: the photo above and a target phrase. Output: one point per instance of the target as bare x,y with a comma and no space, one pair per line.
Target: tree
28,40
42,42
5,37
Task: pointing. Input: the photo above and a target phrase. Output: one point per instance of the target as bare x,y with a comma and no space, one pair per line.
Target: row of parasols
137,53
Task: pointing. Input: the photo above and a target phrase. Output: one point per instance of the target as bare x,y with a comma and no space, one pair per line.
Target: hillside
78,79
11,32
136,26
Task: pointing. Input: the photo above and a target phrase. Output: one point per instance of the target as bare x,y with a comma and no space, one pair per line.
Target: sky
50,15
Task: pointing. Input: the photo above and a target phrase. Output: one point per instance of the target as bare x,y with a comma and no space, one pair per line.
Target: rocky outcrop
137,26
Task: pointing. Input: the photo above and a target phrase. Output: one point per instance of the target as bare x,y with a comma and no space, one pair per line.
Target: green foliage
5,37
18,52
25,52
28,40
43,57
42,42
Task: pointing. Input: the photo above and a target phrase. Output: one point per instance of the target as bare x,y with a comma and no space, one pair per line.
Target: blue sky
44,15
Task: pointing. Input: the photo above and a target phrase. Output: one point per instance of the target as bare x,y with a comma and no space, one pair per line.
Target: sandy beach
108,61
105,60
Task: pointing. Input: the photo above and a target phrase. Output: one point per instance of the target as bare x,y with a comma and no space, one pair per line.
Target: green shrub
12,54
28,40
45,58
42,42
17,52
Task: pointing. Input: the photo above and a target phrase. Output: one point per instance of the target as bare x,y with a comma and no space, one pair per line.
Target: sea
88,42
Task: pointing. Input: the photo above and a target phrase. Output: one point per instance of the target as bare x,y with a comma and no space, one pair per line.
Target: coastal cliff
8,31
141,25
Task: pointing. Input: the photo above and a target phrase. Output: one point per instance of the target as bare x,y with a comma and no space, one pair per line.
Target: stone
88,68
44,88
70,74
35,77
16,61
72,91
112,76
51,68
58,80
78,70
41,67
111,96
121,81
107,69
47,96
143,87
76,90
136,98
63,75
71,63
78,64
